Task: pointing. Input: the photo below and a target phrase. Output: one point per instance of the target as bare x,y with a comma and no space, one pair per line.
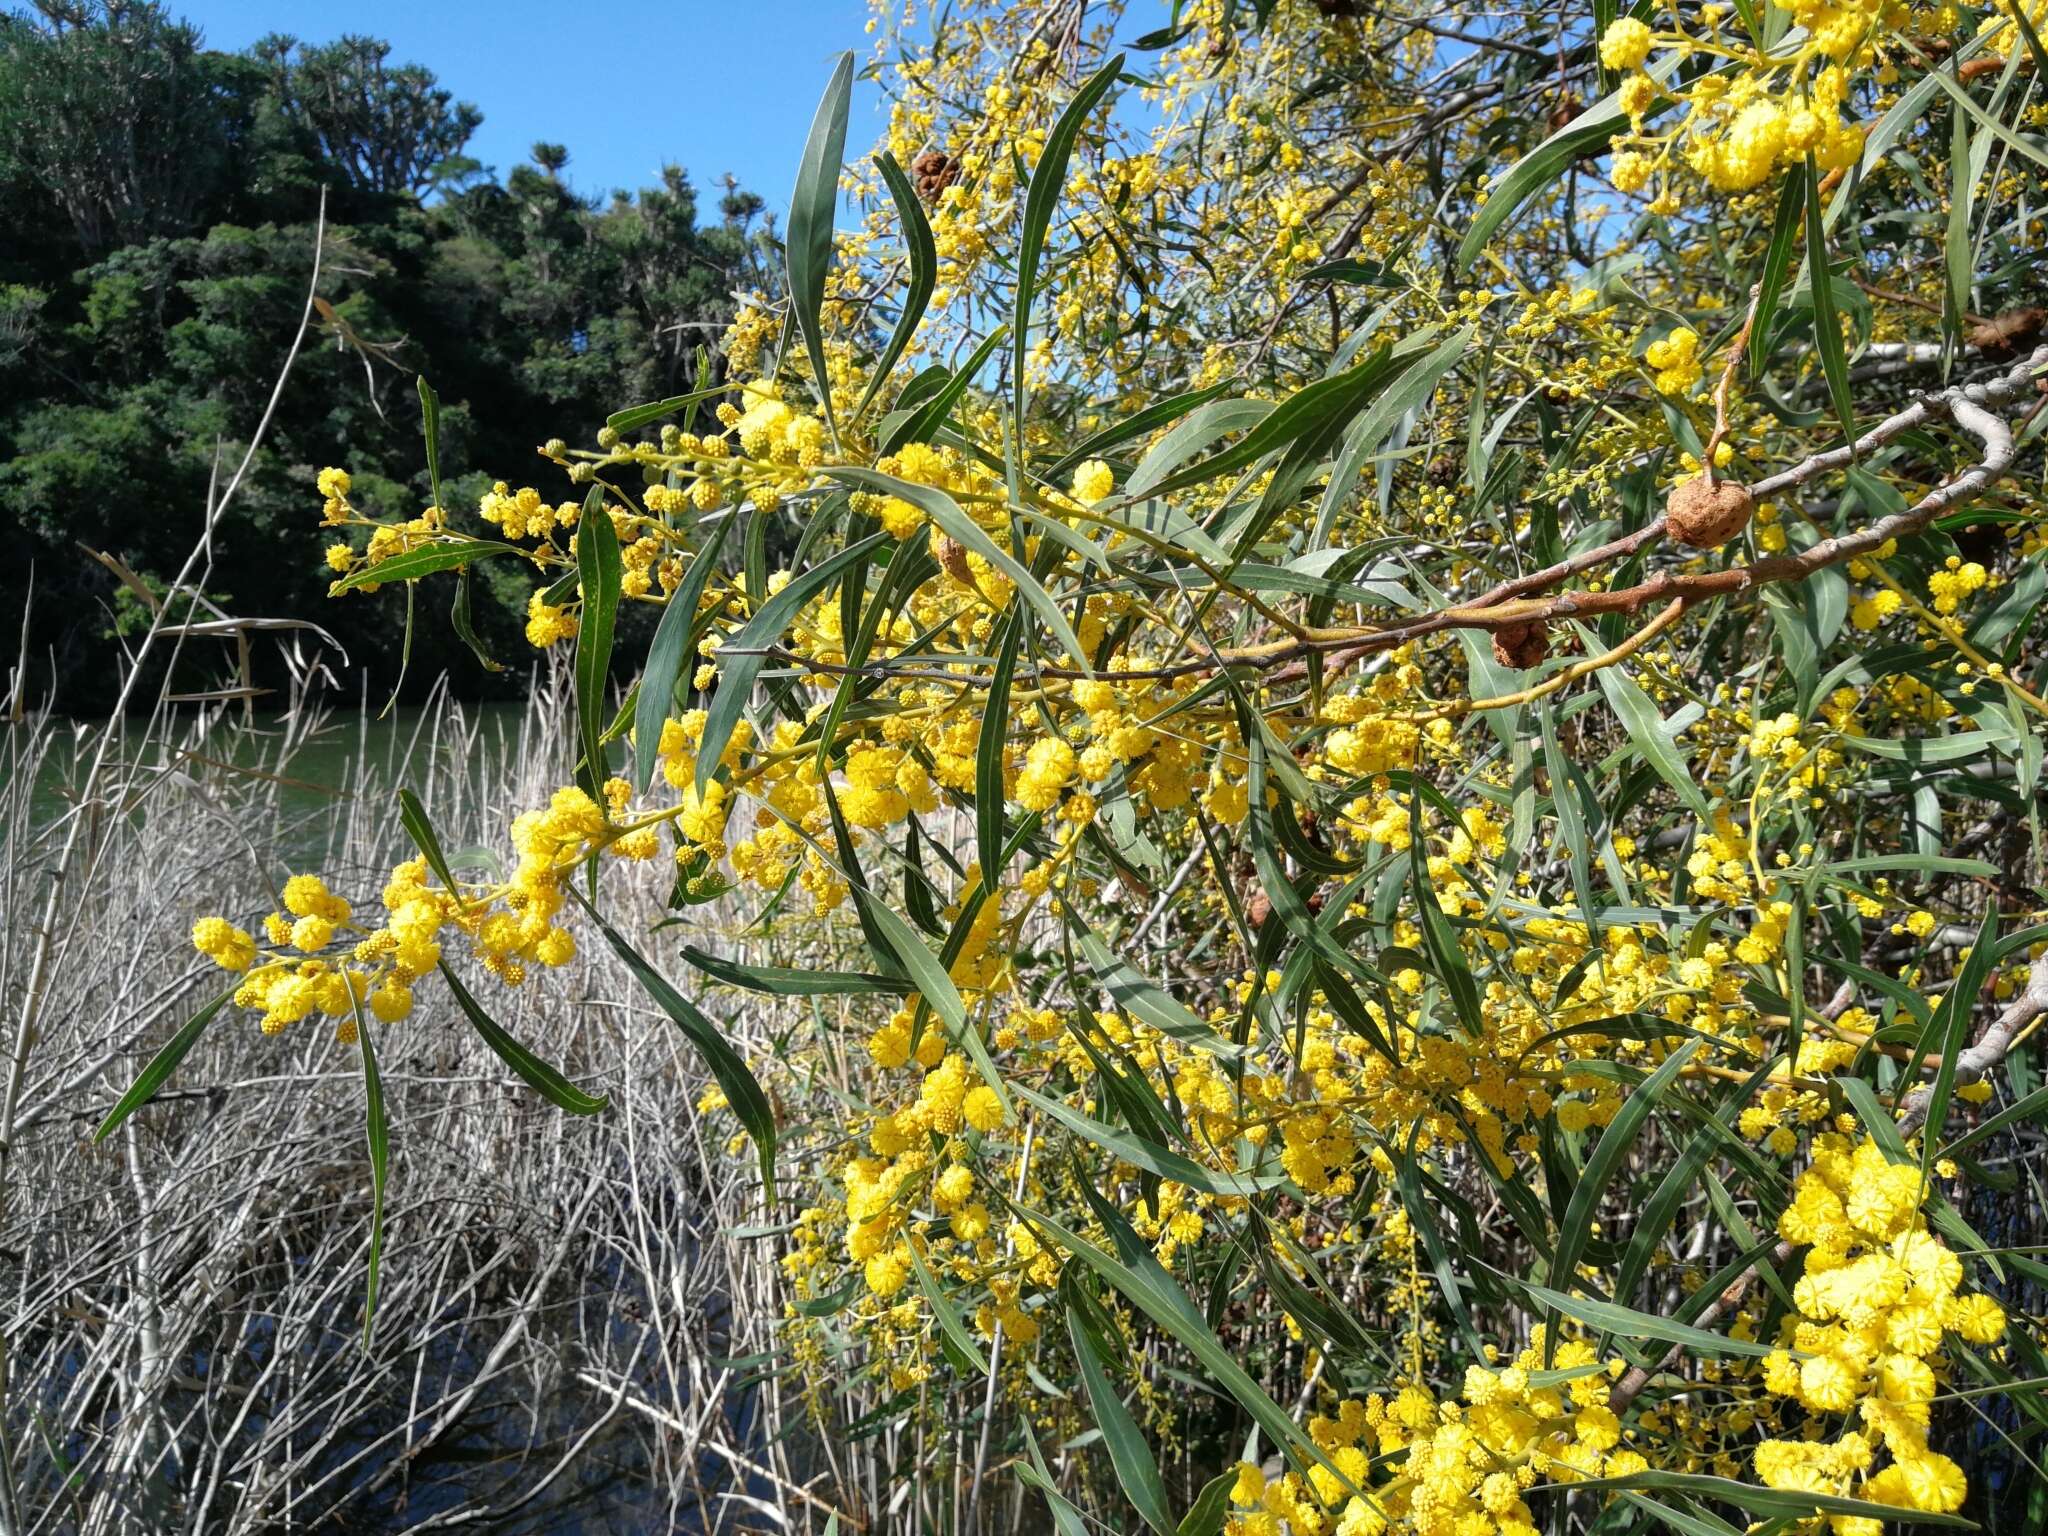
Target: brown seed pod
1707,516
1521,645
2009,334
951,554
934,171
1258,909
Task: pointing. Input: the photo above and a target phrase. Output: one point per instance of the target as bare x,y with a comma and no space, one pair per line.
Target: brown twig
1571,674
1913,301
1735,352
1969,407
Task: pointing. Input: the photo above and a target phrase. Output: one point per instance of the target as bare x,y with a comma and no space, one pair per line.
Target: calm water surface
310,775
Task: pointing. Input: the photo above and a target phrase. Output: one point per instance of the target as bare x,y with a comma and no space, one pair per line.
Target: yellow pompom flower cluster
1093,481
1954,582
232,948
1879,1297
290,985
334,486
1677,360
510,927
1783,1105
772,430
1870,611
1460,1468
884,784
1625,44
1770,113
386,539
522,514
940,467
1049,766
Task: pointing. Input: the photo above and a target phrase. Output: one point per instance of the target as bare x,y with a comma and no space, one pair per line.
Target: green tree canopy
158,212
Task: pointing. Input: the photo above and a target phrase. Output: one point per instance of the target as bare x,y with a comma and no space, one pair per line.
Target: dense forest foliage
158,211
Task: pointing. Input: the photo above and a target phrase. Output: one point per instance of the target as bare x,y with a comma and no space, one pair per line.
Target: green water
306,779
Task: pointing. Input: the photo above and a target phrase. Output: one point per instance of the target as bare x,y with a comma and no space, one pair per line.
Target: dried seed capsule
2010,334
934,171
1707,516
951,554
1521,645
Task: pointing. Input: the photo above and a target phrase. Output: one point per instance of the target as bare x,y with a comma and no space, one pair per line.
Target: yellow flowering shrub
1330,888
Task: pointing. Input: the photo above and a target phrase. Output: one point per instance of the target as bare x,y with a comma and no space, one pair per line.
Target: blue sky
627,85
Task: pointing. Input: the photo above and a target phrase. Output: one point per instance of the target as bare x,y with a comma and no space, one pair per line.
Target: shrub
1391,977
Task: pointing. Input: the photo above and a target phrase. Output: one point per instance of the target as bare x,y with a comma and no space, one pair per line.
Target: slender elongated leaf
909,568
924,269
1950,1027
667,655
1446,954
922,424
1310,410
415,563
1136,1468
430,429
413,817
947,1314
1785,226
1066,1519
1138,1276
929,976
1408,1184
599,569
1611,1317
1048,180
2013,140
633,418
377,1138
1364,436
552,1086
1141,1153
811,207
2030,1107
1575,1231
1676,1187
1156,415
988,754
749,1104
1585,134
784,981
1687,1521
464,624
458,608
1206,1515
965,531
1956,254
1827,326
1150,1001
833,1302
1648,730
1751,1498
742,657
1208,422
162,1064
